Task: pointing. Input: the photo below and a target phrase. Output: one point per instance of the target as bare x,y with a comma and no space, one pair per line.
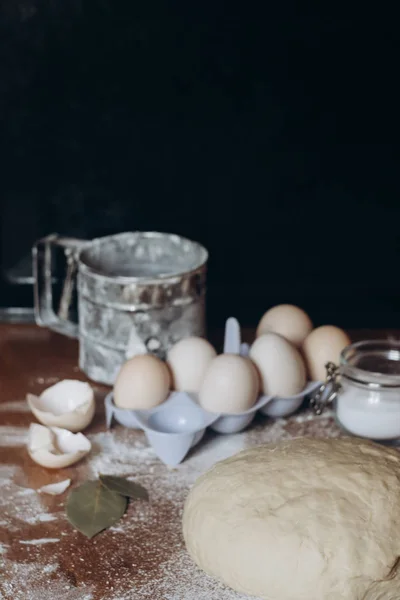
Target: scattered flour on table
26,492
13,436
43,518
309,416
126,453
15,406
116,529
6,473
22,584
39,542
18,504
50,568
45,380
117,456
186,582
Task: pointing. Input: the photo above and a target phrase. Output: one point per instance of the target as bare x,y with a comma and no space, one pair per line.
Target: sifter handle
42,257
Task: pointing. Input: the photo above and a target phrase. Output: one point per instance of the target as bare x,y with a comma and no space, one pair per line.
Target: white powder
117,529
50,568
13,436
25,492
45,380
6,474
43,518
117,456
23,585
3,548
15,406
309,416
192,584
39,542
18,504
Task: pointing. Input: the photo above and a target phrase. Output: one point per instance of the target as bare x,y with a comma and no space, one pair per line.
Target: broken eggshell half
68,404
55,489
55,448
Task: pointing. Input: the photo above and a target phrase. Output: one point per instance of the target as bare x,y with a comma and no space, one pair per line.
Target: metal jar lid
374,363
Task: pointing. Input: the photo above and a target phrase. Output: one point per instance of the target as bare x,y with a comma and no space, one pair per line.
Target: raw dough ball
188,360
323,345
280,364
291,322
306,519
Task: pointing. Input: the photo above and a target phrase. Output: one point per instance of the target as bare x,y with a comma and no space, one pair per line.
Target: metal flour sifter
137,292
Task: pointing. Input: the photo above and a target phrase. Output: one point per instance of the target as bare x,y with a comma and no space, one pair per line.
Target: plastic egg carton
179,423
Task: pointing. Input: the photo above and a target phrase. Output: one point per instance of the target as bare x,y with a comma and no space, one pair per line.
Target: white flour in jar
369,413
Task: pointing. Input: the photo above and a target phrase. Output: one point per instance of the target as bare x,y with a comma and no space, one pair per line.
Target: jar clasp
328,391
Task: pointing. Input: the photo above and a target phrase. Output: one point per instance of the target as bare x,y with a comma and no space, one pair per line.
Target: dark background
267,133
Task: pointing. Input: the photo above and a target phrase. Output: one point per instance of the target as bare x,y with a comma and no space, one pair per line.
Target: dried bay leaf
124,487
92,507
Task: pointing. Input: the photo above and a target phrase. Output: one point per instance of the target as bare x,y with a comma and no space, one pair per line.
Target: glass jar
365,389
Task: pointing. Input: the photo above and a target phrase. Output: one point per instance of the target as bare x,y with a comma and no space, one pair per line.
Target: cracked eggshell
68,404
55,489
55,448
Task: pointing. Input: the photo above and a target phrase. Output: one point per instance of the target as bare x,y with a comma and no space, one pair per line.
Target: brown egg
231,385
188,361
280,364
142,383
289,321
323,345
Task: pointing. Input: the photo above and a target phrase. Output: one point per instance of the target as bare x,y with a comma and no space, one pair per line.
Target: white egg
231,385
280,365
68,404
55,448
188,361
143,382
323,345
291,322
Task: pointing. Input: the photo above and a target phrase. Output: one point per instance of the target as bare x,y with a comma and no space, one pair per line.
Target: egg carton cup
278,407
233,423
179,423
172,428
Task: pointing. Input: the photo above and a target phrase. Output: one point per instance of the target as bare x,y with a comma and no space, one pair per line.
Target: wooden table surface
30,354
31,566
